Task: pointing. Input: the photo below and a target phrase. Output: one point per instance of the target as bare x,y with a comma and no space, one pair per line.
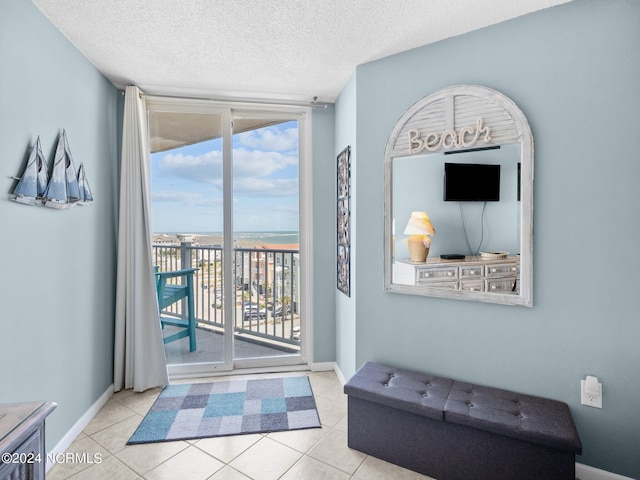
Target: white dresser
22,451
470,274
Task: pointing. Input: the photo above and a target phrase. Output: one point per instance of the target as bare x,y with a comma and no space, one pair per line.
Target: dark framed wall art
344,221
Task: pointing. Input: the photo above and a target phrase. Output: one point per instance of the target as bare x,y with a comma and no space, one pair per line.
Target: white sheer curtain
139,357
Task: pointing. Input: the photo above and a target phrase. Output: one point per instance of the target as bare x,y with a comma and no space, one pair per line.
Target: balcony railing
266,292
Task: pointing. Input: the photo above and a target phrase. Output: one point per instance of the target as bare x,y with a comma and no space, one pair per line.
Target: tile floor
302,454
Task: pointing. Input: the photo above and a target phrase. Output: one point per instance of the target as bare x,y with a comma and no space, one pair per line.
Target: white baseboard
585,472
327,367
82,422
322,366
340,375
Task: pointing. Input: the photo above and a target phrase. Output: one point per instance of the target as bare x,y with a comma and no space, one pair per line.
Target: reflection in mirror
463,227
478,199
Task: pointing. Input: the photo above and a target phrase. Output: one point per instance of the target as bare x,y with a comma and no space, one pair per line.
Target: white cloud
265,187
207,168
259,164
272,139
185,198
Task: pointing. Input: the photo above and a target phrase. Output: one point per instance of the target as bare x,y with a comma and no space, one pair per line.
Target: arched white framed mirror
464,156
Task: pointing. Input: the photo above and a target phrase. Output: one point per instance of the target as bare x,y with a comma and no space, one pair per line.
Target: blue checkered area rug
234,407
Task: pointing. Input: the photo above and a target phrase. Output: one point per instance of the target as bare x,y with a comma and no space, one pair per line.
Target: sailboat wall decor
86,197
64,189
32,184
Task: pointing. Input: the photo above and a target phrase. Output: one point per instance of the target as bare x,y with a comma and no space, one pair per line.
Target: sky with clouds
186,184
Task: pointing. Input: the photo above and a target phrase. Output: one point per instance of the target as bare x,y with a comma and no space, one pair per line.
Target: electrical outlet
591,395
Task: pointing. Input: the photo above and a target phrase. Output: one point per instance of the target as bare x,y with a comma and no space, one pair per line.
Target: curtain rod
313,103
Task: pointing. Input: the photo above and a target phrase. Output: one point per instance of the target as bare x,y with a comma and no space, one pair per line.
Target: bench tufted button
518,415
385,385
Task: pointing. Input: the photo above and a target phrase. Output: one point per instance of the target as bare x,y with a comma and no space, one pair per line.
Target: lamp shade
419,224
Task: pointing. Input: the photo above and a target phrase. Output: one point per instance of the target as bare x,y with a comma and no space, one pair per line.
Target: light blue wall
574,72
345,124
324,214
58,267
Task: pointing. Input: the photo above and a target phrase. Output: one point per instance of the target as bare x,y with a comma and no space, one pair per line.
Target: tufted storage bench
453,430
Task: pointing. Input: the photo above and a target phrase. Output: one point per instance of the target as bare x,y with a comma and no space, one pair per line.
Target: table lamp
420,229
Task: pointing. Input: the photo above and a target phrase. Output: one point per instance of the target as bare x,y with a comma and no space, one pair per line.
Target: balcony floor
210,348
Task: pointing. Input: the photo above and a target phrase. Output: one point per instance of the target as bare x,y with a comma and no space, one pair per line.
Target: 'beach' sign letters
432,142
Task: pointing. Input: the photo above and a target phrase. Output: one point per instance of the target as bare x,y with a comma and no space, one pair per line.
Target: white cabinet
469,274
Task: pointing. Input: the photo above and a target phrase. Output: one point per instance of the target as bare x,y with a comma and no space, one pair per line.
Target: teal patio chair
170,293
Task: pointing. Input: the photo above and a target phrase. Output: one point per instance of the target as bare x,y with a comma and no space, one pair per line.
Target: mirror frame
487,118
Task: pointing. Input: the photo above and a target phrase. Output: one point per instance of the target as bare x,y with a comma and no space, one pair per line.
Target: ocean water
284,237
269,237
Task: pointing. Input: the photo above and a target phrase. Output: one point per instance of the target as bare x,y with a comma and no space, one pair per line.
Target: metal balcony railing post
185,262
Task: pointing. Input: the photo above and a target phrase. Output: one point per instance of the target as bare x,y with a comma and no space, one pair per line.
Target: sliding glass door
225,200
266,219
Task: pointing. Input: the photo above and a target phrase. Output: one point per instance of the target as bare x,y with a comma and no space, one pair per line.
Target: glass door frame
302,116
228,110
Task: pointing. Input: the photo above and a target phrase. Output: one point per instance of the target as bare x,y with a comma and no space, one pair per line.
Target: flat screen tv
471,182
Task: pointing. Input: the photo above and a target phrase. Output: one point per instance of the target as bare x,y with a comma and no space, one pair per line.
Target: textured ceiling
260,49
